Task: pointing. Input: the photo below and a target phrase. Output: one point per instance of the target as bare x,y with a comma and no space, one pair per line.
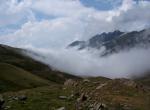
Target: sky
48,26
56,23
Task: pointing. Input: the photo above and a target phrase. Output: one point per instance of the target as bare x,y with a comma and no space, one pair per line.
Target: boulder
22,98
61,108
63,97
100,86
86,80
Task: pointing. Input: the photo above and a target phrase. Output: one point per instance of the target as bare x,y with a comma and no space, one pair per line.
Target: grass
14,78
41,98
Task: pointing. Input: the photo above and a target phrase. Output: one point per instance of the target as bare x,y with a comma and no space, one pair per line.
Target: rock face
97,41
116,41
80,44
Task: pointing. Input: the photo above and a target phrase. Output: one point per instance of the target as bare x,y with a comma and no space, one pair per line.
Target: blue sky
102,4
105,4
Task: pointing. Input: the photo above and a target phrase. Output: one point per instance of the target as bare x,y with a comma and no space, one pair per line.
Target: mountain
97,41
79,44
116,41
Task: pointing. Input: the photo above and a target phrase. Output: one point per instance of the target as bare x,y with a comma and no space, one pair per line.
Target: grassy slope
15,56
14,78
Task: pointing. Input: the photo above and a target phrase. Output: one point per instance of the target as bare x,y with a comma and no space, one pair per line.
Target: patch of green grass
14,78
42,98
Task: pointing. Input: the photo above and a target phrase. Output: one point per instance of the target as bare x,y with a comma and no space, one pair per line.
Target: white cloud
59,7
85,63
73,21
54,33
14,13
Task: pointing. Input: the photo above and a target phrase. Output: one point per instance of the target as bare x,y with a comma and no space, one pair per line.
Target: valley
27,84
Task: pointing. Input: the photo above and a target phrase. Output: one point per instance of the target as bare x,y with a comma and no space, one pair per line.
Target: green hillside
17,57
14,78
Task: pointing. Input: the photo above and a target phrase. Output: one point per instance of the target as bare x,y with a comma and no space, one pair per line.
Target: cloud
84,63
13,12
54,33
59,7
134,17
97,21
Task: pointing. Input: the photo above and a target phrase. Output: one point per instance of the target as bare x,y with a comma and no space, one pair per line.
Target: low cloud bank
89,63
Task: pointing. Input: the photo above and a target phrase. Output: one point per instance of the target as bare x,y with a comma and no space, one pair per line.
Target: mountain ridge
115,41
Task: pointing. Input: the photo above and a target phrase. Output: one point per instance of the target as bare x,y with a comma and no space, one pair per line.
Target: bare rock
63,97
100,86
61,108
22,98
86,80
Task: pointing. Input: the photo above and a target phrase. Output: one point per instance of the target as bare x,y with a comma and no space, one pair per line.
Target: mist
124,64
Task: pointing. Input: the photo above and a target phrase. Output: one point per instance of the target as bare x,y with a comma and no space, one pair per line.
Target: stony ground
86,94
